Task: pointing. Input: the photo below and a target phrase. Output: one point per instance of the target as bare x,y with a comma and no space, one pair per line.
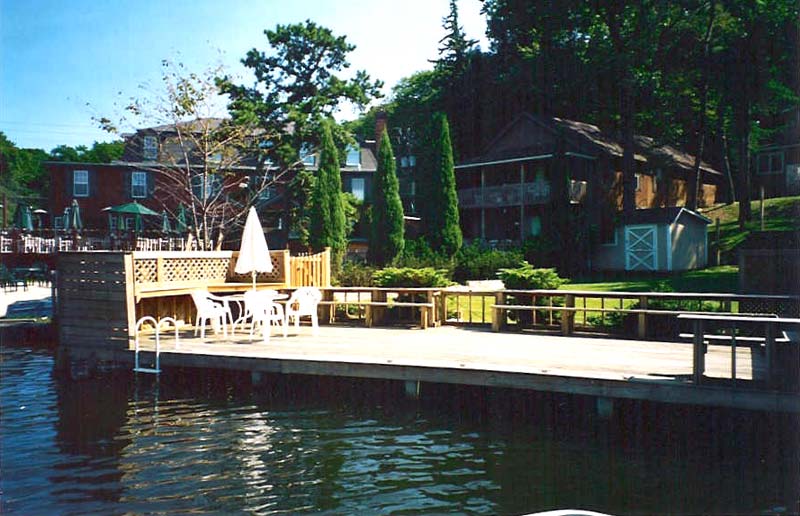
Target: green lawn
723,278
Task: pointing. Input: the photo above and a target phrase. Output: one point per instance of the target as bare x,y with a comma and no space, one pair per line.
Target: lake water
212,442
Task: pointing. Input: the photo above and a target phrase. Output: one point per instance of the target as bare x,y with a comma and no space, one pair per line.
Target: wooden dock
610,368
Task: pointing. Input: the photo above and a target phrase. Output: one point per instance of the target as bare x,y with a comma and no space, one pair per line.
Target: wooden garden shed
658,240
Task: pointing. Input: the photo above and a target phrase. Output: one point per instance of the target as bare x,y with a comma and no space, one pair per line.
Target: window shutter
126,180
92,183
151,184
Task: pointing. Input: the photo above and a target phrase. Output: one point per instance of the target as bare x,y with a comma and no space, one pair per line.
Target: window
408,161
267,193
80,183
357,188
534,226
658,176
307,156
577,191
353,157
215,158
130,223
139,184
150,148
212,186
770,163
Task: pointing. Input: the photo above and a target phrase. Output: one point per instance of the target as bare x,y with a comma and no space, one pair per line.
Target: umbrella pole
253,273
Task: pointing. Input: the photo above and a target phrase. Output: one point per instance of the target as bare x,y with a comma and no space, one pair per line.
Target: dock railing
641,314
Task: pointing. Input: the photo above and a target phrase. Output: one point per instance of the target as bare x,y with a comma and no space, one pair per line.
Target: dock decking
657,371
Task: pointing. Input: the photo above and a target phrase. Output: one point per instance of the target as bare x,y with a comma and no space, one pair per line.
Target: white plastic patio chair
209,309
261,310
303,302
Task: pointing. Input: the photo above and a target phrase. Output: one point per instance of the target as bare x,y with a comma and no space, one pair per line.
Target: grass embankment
780,214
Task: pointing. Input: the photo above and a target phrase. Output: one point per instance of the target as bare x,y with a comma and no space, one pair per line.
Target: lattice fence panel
276,276
145,270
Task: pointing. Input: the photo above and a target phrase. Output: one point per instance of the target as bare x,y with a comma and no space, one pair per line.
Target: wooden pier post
411,389
641,329
568,316
605,407
699,352
499,315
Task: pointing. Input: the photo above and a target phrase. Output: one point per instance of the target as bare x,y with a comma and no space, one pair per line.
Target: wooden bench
372,318
771,323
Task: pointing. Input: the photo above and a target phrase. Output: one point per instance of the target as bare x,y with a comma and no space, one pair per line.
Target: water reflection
215,443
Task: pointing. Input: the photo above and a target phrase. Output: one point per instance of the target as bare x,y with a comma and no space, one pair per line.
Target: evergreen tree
328,226
386,238
443,230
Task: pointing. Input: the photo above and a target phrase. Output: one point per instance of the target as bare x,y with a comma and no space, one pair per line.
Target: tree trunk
743,175
695,179
628,153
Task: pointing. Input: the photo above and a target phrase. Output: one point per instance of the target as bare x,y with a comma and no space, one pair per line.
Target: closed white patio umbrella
253,253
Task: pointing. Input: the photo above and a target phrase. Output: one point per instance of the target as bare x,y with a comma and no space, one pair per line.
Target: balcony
537,192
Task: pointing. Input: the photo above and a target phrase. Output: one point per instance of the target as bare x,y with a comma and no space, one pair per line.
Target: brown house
540,168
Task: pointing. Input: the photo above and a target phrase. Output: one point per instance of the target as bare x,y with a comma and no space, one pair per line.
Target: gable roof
530,136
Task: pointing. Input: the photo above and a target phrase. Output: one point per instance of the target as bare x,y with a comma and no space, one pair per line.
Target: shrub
539,250
478,262
410,277
418,253
526,277
356,274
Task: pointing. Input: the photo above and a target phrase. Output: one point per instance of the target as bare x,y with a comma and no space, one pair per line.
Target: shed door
640,248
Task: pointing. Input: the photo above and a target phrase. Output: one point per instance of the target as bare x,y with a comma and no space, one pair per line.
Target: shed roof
664,216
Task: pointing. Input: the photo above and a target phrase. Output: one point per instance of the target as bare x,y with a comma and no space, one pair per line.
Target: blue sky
61,62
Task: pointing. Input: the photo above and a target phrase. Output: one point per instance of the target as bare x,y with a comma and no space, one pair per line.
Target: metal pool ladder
137,368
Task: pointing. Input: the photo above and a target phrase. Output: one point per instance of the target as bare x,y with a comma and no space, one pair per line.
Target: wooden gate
641,248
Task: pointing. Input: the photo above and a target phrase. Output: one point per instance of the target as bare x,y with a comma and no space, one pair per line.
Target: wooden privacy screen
94,299
311,270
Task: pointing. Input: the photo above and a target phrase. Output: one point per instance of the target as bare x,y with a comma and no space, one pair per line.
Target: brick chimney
381,120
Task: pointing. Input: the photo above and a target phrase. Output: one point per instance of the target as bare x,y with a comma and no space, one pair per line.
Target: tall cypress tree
327,228
443,229
386,237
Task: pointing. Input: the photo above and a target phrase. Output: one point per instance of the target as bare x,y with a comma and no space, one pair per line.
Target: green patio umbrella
133,208
166,228
75,216
180,223
24,218
67,218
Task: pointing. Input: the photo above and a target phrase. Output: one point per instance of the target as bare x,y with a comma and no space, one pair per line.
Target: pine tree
443,229
455,46
327,228
386,238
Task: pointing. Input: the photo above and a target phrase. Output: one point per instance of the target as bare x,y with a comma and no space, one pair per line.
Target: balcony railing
537,192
